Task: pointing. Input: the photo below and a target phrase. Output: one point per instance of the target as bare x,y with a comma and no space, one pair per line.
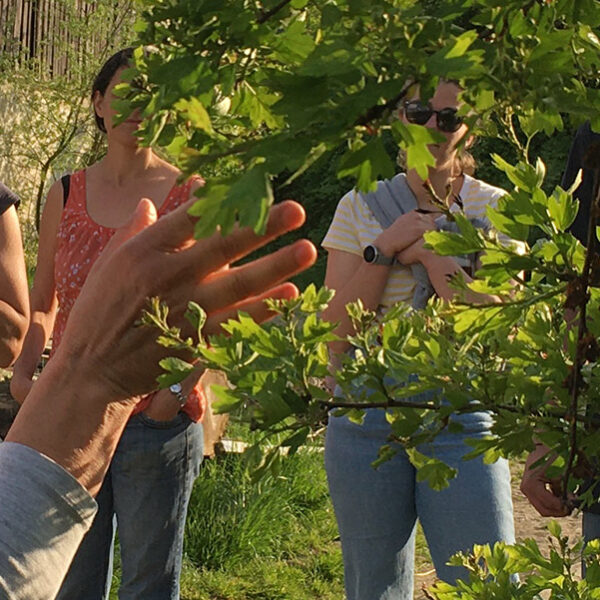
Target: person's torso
80,241
358,227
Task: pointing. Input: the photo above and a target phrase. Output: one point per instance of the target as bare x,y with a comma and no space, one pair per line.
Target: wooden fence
48,31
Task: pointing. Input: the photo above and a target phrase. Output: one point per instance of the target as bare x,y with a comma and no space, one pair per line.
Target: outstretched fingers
256,307
227,289
174,234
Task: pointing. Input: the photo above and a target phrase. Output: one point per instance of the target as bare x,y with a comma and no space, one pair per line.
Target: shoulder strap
391,199
66,184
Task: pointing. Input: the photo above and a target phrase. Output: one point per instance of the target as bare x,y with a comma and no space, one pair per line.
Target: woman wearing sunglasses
377,510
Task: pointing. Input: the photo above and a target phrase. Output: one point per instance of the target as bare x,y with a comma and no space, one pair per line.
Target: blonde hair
464,161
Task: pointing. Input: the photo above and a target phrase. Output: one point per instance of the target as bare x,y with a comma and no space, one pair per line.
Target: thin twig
265,16
468,408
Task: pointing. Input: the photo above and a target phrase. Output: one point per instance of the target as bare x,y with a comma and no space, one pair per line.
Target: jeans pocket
179,419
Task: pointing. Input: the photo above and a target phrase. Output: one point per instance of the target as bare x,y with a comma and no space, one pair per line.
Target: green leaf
196,315
193,110
177,370
295,44
562,209
524,176
367,164
415,139
248,198
436,473
227,400
554,528
505,224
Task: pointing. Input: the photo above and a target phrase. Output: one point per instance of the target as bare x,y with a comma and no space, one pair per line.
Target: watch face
175,388
369,253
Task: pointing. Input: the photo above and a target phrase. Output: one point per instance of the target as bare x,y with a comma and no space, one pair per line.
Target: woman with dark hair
376,253
14,305
150,479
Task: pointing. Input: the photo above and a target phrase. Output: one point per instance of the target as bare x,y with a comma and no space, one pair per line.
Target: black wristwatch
372,255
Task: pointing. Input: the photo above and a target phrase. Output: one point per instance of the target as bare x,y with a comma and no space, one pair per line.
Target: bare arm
352,278
43,297
14,305
441,270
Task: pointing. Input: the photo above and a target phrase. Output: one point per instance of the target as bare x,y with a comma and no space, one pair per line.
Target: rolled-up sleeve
44,514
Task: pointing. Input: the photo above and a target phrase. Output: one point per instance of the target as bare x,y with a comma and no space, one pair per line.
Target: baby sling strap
392,199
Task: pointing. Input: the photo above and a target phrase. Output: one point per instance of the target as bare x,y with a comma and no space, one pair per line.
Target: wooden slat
38,29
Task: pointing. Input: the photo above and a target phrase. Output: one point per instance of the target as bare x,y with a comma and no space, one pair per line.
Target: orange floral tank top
80,241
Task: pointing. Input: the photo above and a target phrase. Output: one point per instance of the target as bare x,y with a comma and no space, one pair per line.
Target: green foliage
47,127
492,571
280,87
265,90
249,109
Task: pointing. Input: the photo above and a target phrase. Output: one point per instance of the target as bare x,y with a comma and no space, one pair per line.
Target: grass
275,540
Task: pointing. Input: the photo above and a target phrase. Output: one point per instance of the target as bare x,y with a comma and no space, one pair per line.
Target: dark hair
122,58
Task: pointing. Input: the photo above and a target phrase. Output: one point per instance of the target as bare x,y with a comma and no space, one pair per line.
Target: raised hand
165,260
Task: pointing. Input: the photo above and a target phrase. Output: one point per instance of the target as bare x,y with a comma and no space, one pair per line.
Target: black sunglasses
419,113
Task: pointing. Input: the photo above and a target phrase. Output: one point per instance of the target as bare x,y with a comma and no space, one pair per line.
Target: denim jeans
146,491
377,510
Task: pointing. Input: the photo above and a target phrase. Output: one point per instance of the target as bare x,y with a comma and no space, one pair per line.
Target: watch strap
177,391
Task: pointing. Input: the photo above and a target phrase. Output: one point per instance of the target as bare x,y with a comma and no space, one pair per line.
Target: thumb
143,216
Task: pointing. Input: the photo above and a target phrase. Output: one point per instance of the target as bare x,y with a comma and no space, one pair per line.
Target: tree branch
582,344
266,15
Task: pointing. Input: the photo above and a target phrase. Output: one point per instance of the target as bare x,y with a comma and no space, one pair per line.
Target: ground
528,523
8,407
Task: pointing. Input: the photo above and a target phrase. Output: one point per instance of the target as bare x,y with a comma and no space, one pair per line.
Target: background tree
267,88
46,69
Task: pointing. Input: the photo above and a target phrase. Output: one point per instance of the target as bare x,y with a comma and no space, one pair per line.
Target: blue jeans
146,490
377,510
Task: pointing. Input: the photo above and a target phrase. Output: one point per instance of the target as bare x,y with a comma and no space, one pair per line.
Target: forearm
14,301
441,270
37,336
13,325
368,283
47,513
52,422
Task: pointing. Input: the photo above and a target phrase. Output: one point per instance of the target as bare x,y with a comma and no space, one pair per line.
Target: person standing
150,480
539,489
377,262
